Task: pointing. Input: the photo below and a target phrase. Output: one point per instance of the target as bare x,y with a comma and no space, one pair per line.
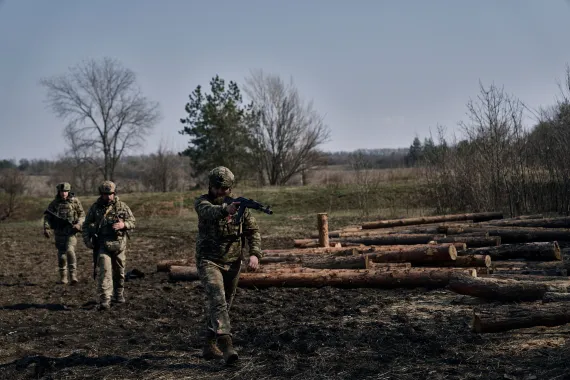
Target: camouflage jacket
101,217
218,239
69,209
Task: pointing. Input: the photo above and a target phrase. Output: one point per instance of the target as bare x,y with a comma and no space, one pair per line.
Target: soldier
64,216
106,226
219,252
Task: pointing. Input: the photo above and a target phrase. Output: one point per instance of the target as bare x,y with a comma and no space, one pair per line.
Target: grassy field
50,331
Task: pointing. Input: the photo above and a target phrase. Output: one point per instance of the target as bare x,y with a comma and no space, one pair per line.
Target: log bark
404,239
528,264
527,277
509,317
476,217
555,297
323,228
561,222
336,262
480,261
511,235
472,241
503,289
520,272
164,265
540,251
349,278
352,279
424,254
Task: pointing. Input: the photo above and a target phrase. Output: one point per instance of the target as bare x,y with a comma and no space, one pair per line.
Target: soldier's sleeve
208,211
88,227
129,219
47,217
251,232
80,212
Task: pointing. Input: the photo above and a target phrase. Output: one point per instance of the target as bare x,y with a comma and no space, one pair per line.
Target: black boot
227,347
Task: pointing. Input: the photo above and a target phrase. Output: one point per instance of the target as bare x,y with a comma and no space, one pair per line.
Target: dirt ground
50,331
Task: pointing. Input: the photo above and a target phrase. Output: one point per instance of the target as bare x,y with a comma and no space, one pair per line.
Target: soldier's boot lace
227,347
211,350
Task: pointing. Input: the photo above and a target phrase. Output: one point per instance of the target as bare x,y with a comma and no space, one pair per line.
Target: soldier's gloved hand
119,225
88,243
77,227
232,207
47,233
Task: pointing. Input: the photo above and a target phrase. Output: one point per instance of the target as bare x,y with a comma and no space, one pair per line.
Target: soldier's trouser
66,252
111,273
220,283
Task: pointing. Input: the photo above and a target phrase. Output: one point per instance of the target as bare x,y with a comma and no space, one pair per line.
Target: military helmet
64,186
221,177
107,187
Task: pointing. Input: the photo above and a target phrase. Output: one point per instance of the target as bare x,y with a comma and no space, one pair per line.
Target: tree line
496,162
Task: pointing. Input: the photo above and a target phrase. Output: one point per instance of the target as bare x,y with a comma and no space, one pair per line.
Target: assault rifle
62,222
247,203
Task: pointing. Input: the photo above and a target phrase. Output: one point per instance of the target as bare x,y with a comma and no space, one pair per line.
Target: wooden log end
452,252
488,261
557,251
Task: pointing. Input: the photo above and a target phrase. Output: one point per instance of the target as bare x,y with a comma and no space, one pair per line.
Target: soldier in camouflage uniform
106,225
219,253
64,216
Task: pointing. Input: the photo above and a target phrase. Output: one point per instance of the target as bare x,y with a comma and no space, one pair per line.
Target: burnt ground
50,331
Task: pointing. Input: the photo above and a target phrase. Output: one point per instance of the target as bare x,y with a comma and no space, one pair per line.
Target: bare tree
288,131
104,109
166,170
13,183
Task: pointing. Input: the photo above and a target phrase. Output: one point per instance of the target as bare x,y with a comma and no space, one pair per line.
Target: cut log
510,317
528,264
555,297
352,279
164,265
511,235
480,261
389,266
336,251
541,251
476,217
503,289
405,239
323,228
561,222
472,241
349,278
183,273
336,262
527,277
520,272
424,254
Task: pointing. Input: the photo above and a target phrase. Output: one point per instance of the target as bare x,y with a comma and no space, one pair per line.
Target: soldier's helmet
107,187
64,186
221,177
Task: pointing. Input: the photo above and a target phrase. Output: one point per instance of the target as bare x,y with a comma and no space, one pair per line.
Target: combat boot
62,277
118,296
105,304
227,347
73,278
211,350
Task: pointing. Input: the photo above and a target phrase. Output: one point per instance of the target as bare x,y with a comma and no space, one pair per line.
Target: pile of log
481,255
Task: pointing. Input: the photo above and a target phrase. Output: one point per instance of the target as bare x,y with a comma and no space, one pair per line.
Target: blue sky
380,72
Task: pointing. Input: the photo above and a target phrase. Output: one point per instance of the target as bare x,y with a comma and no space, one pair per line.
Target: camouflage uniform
112,245
71,210
219,246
